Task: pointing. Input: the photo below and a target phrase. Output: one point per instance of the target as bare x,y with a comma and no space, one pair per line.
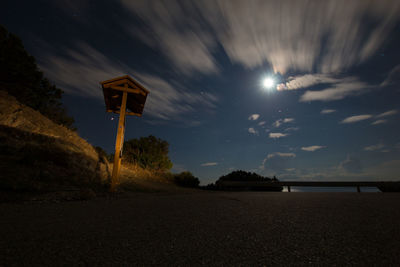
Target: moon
268,82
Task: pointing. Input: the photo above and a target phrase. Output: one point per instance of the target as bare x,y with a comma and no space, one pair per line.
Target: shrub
186,179
147,152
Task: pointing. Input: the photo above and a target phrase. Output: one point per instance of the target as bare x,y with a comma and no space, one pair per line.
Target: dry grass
134,178
38,155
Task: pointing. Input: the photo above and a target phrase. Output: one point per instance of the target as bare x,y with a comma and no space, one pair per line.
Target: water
329,189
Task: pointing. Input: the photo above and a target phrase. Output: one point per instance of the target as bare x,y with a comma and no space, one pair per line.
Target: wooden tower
124,96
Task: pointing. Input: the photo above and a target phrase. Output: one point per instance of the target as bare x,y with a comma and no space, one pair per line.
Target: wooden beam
126,113
129,90
118,82
119,144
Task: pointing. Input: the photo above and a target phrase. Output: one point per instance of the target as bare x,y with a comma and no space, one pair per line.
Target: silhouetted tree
21,78
186,179
243,176
148,152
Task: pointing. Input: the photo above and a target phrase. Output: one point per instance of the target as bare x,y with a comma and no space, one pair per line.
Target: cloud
280,154
277,135
304,36
175,29
292,129
379,122
277,161
357,118
286,120
312,148
253,117
253,131
374,147
208,164
339,89
393,77
351,164
81,70
327,111
387,113
279,122
261,123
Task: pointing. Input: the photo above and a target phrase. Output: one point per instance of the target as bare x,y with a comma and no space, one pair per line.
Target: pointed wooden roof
113,90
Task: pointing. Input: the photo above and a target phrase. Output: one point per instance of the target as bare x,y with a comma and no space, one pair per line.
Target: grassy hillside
37,154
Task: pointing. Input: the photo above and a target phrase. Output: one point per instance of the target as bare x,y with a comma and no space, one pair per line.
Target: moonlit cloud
280,154
208,164
290,129
304,36
393,77
261,123
340,89
312,148
327,111
374,147
277,135
253,131
279,122
377,122
84,67
387,113
356,118
277,161
253,117
351,165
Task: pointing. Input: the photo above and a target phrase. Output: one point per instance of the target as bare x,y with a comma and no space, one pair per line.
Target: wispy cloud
379,122
208,164
277,161
326,36
281,154
252,131
337,90
387,113
312,148
327,111
81,70
291,129
277,135
261,123
393,77
279,122
253,117
356,118
351,165
374,147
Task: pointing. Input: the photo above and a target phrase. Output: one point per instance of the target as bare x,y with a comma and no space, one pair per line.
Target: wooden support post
358,189
288,188
119,143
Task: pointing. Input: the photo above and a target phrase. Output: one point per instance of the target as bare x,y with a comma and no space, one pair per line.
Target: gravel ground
205,228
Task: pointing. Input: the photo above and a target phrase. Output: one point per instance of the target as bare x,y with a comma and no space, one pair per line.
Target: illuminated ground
205,228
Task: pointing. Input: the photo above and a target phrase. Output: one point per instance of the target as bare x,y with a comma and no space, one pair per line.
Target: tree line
21,78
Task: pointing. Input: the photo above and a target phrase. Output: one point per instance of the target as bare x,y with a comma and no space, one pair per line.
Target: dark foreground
205,228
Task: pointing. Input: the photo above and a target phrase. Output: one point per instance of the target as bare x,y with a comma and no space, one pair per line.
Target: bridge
288,184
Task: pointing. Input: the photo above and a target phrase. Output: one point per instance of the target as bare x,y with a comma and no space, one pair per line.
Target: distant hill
36,154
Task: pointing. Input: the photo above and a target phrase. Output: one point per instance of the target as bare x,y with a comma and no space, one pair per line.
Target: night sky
331,113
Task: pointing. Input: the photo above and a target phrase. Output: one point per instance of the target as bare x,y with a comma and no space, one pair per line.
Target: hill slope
37,154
